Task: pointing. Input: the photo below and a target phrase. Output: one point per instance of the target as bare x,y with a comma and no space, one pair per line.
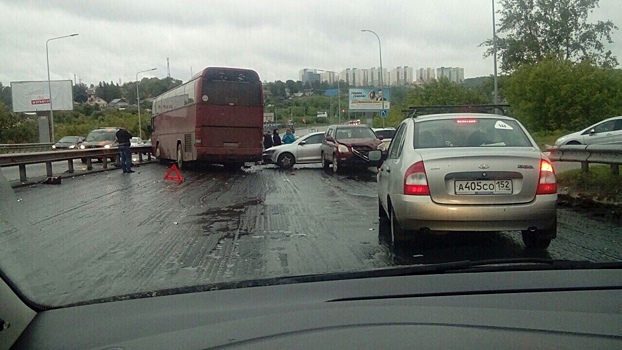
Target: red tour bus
216,117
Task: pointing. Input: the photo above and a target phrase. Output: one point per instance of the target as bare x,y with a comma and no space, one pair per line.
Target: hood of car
97,143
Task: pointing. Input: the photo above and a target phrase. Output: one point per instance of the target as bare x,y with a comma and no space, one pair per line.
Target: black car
68,142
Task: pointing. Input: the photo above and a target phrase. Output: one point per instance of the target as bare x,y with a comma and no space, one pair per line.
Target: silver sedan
467,172
302,151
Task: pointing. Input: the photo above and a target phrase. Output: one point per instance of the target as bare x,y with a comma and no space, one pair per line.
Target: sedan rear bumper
420,212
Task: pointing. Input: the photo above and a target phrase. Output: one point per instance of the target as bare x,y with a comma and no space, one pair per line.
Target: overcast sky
276,38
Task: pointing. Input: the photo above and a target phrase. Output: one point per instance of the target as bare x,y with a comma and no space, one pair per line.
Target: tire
158,154
539,239
382,214
325,163
286,160
180,157
397,232
336,165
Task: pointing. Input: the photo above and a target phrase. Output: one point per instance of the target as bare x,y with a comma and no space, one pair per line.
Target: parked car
68,142
386,135
306,149
100,138
136,141
348,146
606,131
467,172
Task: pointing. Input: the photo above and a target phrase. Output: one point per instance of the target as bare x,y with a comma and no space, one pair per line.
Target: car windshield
100,135
205,199
354,133
69,139
386,133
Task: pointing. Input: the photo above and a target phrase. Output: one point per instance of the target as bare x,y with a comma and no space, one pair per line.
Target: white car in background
606,131
136,141
386,135
304,150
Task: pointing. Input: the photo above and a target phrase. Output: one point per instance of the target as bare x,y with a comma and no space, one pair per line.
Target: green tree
5,95
16,127
530,30
79,93
561,95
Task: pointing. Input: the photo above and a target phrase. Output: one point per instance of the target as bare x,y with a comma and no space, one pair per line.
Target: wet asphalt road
111,233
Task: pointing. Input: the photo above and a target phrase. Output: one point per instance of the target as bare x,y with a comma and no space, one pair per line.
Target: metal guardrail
25,147
22,159
595,154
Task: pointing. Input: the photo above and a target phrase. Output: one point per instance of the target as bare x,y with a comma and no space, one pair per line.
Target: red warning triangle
173,174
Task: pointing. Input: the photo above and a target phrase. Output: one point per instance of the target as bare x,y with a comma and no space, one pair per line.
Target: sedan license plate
483,187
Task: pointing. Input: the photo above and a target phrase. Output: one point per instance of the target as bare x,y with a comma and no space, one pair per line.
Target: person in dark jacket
267,140
276,139
123,138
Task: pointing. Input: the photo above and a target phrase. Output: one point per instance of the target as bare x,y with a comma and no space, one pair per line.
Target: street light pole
47,58
494,53
140,127
381,72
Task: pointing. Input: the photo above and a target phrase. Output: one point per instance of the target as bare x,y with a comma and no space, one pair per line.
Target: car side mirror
592,132
302,143
375,155
329,138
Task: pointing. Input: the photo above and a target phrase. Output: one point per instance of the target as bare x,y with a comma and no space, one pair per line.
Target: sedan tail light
547,183
416,181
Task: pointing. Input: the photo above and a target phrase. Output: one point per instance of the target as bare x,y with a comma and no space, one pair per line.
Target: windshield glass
69,139
354,133
101,135
213,191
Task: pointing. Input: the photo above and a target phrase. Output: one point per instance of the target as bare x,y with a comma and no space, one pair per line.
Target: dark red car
349,146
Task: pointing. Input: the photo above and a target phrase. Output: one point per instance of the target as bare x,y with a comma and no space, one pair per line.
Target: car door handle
387,170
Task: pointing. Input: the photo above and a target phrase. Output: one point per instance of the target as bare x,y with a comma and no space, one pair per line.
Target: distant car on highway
348,146
304,150
68,142
136,141
467,172
100,138
606,131
386,135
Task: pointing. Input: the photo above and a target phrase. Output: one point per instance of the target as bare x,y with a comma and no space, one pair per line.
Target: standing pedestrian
267,140
289,137
123,139
276,139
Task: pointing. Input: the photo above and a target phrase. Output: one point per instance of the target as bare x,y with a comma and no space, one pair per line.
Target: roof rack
414,111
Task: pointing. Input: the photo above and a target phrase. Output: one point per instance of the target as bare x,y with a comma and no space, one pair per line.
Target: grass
544,138
598,183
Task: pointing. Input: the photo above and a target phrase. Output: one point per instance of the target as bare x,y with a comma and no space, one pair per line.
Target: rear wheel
286,160
397,232
180,157
382,214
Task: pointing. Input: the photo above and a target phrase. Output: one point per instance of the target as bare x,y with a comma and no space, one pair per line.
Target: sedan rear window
470,132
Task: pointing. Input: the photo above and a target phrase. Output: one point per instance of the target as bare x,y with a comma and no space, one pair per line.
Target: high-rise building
425,75
454,74
308,75
401,76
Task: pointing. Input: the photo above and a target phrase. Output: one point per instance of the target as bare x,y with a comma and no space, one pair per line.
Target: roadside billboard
369,99
33,96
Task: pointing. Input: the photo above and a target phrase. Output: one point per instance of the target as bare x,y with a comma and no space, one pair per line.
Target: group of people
274,139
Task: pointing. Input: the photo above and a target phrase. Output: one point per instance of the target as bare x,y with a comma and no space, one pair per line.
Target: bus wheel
180,157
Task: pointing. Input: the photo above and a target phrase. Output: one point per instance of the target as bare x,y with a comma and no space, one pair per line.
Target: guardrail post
149,156
140,157
89,163
22,173
585,167
70,166
615,169
105,162
48,169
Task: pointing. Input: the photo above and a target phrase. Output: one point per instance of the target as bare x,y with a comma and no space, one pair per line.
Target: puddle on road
226,219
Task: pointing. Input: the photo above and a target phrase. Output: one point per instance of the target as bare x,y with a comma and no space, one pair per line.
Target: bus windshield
232,88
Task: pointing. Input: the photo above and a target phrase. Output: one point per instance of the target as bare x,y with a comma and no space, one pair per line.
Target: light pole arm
47,59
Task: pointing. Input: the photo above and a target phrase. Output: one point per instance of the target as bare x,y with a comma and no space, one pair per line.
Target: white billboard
369,99
34,96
